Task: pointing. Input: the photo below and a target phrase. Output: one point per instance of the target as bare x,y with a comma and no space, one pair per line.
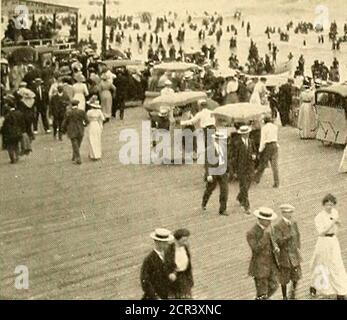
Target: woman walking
80,91
307,120
328,272
106,93
96,118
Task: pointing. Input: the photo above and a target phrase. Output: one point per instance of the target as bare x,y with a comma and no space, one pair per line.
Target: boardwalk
83,230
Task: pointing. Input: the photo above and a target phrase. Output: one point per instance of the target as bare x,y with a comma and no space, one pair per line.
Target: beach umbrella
241,112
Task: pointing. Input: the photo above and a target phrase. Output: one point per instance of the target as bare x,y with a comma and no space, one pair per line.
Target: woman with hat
179,266
80,91
307,119
154,275
106,93
327,269
263,266
96,119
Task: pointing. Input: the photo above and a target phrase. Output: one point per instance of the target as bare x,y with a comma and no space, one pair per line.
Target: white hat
265,213
287,208
244,130
163,111
219,135
95,104
168,83
161,234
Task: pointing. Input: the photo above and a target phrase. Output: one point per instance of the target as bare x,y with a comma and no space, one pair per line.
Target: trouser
13,150
284,114
76,144
43,113
222,180
244,184
266,287
270,153
119,105
57,126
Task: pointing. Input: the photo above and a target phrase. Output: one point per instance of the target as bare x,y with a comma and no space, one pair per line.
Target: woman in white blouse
327,269
179,266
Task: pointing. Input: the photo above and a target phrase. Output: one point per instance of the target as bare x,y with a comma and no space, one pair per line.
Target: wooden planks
83,231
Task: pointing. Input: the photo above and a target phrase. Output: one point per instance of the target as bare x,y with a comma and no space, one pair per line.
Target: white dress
343,163
80,92
327,269
96,118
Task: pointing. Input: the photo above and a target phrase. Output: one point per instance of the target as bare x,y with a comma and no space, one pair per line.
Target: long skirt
94,140
327,269
307,121
106,103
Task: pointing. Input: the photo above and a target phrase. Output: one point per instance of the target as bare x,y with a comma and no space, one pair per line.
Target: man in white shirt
268,150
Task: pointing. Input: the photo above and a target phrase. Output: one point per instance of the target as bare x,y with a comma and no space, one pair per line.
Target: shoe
78,162
275,186
203,208
224,213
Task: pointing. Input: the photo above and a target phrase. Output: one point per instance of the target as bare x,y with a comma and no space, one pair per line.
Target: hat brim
223,137
244,132
257,214
168,239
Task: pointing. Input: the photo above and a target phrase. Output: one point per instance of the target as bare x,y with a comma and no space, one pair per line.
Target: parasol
242,112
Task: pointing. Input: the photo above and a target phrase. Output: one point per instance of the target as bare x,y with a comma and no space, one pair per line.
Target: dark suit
41,104
181,288
73,124
58,110
263,266
154,278
287,237
285,103
244,166
219,177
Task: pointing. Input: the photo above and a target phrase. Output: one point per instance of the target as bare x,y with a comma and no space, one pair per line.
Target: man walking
287,237
264,263
285,101
73,124
243,158
41,103
217,172
268,150
154,274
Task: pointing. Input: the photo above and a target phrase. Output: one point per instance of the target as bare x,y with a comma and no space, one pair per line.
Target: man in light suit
287,236
264,262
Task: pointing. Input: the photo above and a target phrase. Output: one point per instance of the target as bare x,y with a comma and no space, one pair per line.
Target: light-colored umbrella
242,112
177,99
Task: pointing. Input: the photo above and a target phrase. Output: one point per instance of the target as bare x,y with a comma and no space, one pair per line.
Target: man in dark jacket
217,171
243,158
12,131
59,102
73,124
285,101
41,104
264,262
121,83
287,236
154,274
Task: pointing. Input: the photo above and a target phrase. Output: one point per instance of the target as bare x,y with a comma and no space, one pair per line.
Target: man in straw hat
287,236
263,266
217,172
154,275
243,158
73,124
167,89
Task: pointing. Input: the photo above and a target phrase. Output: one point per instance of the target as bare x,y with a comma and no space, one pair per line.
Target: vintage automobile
176,68
331,107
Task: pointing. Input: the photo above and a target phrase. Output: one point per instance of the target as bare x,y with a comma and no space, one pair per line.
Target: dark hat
180,233
75,102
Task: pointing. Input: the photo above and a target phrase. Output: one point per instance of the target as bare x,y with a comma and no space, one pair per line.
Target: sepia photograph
173,150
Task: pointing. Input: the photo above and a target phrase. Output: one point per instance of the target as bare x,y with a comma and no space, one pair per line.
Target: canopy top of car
120,63
340,89
241,112
176,66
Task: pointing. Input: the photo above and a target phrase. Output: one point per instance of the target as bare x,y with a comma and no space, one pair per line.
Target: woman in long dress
307,120
80,91
343,163
106,93
327,269
96,119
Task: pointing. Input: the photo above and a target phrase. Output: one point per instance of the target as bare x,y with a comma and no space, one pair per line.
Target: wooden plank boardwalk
83,231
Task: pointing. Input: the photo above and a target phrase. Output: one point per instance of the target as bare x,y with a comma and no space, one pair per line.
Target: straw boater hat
202,102
163,111
38,80
80,77
265,213
287,208
95,105
23,84
219,135
244,130
168,83
161,234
